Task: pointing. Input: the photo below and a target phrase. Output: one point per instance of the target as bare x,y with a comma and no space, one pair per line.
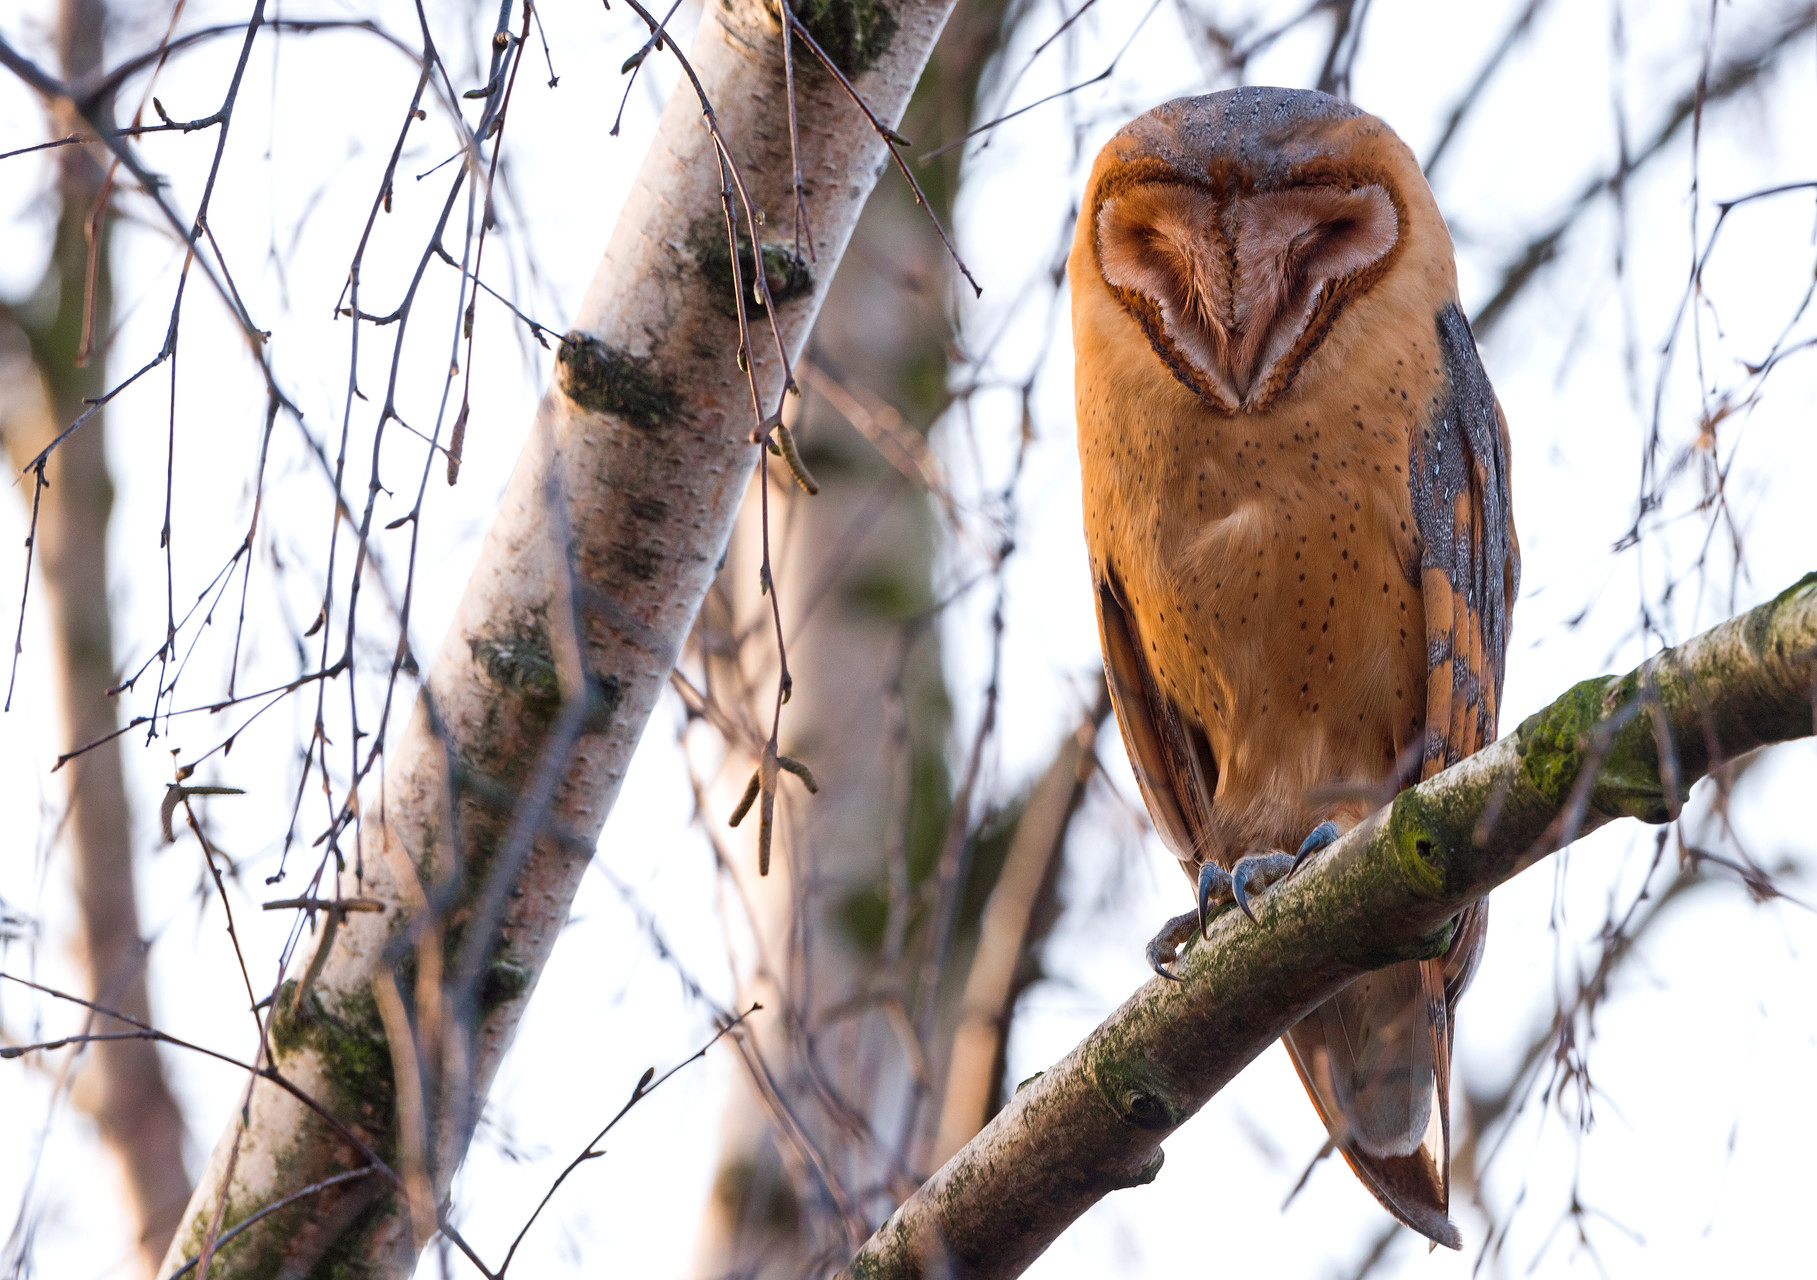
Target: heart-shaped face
1237,280
1236,229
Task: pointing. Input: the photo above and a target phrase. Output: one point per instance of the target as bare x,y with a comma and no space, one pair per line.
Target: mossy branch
1613,747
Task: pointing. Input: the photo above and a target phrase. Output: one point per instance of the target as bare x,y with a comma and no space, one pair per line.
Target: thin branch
649,1083
891,139
1728,80
1109,70
1516,32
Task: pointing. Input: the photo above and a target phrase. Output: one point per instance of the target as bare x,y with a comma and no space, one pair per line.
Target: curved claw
1323,834
1158,954
1261,869
1214,882
1239,885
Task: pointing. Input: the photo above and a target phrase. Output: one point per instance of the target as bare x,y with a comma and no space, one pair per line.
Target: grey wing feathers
1469,559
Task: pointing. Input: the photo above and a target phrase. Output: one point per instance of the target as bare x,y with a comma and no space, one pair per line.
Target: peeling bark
605,543
1612,747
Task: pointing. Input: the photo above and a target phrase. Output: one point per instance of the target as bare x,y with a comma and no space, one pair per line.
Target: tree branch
1011,923
1610,747
71,499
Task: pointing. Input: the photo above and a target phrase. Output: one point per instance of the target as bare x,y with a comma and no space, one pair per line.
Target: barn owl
1297,514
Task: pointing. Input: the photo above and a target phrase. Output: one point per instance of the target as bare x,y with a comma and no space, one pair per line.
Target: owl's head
1239,229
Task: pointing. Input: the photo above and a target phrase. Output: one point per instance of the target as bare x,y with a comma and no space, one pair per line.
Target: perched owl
1296,506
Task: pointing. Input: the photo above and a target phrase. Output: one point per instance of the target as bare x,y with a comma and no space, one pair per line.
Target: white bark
606,541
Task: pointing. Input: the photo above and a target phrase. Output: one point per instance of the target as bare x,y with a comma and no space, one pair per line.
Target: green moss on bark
1551,742
607,380
788,276
349,1042
1627,774
523,661
1419,850
348,1038
854,33
269,1247
1604,724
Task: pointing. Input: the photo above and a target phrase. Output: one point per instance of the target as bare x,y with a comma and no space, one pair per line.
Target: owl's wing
1469,559
1376,1058
1169,754
1469,576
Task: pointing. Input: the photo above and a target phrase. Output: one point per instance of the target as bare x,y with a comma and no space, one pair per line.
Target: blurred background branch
53,360
405,213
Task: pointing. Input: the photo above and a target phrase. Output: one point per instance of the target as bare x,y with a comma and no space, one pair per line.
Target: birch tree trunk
606,541
43,382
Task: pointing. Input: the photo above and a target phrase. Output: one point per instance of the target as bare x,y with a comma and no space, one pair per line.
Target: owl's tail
1376,1061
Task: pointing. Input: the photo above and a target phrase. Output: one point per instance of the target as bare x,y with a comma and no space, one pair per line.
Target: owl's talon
1258,870
1324,834
1165,945
1214,885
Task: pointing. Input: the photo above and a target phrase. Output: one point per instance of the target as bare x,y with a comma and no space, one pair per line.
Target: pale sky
1703,1055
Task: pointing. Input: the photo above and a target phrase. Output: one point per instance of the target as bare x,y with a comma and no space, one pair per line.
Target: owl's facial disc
1239,285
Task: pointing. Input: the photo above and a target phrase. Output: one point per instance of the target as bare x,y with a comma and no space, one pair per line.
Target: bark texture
606,541
46,370
1612,747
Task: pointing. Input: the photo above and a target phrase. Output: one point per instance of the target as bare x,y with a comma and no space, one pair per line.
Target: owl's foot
1165,945
1323,834
1257,872
1251,875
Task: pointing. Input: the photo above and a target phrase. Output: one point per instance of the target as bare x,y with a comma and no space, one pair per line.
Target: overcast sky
1703,1057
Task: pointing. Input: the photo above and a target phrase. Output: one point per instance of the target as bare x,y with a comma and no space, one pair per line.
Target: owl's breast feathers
1270,564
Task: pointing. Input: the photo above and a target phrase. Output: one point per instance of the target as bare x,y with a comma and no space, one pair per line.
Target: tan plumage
1296,507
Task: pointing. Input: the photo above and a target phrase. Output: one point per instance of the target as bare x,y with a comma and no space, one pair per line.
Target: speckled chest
1271,559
